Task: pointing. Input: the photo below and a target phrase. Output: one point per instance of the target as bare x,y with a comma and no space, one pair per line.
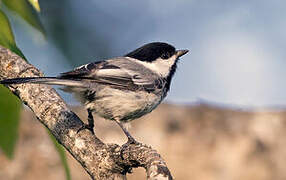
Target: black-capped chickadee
122,88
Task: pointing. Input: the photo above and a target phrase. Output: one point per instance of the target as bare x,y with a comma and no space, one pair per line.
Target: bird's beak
182,52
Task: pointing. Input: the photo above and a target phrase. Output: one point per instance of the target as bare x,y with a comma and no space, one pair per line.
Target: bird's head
160,57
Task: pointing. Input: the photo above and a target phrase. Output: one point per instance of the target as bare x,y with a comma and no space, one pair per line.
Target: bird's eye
165,55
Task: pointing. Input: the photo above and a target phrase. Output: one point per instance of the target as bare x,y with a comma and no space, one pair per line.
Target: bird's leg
131,140
90,124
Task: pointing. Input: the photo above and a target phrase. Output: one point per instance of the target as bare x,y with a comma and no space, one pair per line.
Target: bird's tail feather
44,80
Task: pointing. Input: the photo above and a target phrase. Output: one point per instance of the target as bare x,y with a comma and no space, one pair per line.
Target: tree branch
100,160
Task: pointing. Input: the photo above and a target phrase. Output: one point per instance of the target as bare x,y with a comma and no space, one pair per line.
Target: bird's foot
86,126
130,141
90,124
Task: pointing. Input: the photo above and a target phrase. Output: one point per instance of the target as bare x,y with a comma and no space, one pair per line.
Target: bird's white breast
115,104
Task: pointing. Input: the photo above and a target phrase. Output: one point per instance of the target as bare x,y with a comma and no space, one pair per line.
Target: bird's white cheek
162,66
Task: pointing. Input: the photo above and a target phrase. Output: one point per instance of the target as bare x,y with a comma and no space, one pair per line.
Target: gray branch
100,160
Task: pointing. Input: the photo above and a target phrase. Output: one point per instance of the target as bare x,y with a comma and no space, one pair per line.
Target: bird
122,88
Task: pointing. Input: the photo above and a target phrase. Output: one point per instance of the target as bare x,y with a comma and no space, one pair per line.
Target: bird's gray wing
119,73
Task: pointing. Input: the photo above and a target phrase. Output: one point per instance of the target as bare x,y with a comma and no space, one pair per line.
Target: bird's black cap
150,52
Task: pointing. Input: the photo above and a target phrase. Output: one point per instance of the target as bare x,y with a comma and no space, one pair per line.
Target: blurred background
224,117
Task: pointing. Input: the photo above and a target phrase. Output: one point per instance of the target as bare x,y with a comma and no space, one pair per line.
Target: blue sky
237,48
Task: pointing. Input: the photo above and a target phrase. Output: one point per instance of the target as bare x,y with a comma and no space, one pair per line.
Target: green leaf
24,9
62,154
6,35
10,107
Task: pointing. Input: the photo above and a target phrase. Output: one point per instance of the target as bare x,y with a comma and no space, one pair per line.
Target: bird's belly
123,105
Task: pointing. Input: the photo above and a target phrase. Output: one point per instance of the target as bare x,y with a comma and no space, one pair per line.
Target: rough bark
100,160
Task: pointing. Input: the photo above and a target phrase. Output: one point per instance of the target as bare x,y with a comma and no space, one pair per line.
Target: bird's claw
86,126
130,141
